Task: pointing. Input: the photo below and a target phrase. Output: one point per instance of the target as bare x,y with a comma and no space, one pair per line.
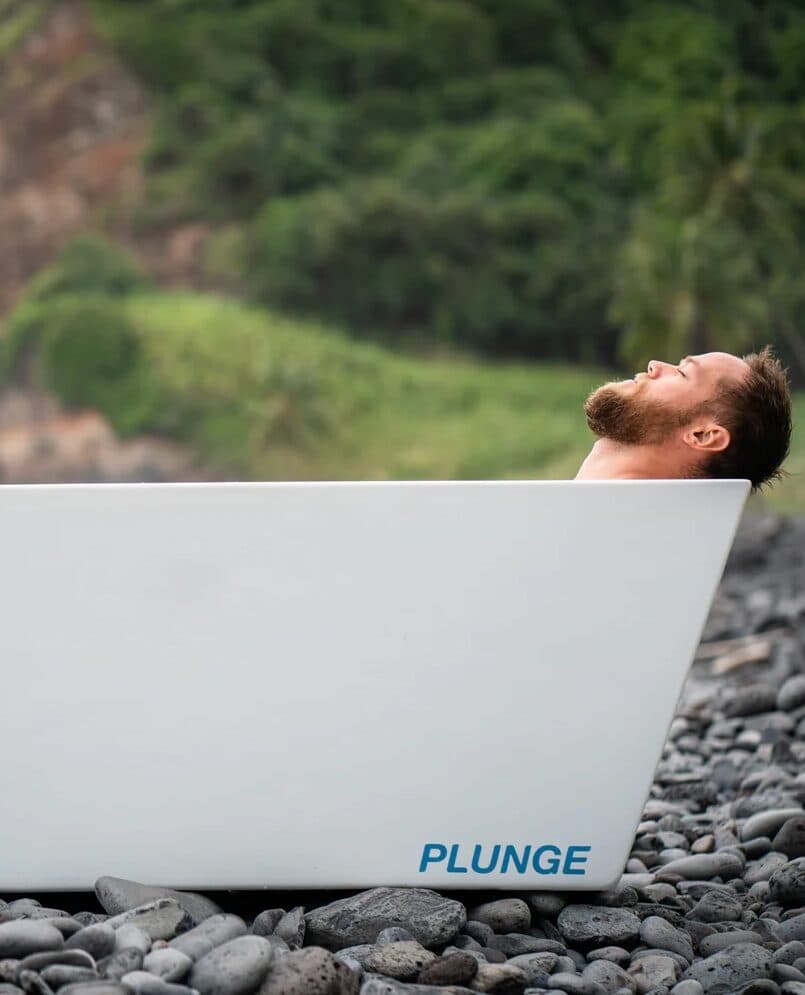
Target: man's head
711,415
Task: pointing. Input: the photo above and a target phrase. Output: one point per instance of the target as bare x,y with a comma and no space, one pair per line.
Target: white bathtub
344,684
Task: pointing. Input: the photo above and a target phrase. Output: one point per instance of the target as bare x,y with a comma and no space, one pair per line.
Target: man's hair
756,411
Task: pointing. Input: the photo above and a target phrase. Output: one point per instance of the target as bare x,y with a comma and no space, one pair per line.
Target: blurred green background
428,228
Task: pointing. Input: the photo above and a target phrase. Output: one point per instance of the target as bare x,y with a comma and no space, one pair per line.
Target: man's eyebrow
689,359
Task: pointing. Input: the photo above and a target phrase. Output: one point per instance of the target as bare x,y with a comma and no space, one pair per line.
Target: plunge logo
508,858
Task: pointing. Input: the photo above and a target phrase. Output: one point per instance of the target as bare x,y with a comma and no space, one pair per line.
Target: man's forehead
721,363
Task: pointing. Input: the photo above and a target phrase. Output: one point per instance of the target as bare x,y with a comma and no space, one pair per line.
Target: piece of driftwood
720,647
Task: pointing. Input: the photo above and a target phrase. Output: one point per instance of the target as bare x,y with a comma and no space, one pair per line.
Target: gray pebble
505,915
598,925
729,969
235,967
25,936
214,931
168,964
98,940
402,960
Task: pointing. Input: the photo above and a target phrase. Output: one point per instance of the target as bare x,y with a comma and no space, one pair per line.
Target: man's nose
657,368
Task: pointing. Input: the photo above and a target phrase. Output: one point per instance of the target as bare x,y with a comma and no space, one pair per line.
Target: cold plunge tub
344,684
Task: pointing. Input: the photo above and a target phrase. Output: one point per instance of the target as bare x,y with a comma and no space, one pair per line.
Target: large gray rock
310,971
730,968
597,924
430,918
118,895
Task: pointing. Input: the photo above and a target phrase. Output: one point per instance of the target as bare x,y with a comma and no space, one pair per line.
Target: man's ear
711,438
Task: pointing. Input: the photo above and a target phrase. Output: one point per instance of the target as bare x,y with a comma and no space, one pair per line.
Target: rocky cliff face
73,126
42,443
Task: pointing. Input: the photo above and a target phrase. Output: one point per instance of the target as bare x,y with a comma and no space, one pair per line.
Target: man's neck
609,460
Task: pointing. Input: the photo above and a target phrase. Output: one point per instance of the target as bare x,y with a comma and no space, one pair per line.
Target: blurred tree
712,255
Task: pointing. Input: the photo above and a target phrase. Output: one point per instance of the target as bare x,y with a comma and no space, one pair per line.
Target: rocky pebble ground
711,900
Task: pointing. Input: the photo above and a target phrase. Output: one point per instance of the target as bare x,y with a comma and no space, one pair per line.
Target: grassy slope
279,399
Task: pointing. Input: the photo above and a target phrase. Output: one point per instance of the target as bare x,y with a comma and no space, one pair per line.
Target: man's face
654,405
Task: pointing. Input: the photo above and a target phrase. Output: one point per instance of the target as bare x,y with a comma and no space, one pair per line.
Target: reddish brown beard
613,414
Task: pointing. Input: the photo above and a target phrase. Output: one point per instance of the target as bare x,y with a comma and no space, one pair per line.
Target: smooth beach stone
160,919
456,968
729,969
640,953
537,968
751,699
38,961
120,962
505,915
129,935
720,941
26,936
757,847
707,865
431,918
402,960
762,870
789,952
95,988
791,929
790,838
687,987
497,977
235,967
167,963
609,976
597,924
59,975
479,931
716,906
211,933
792,693
376,984
118,895
654,970
617,955
786,972
573,984
310,971
6,988
546,904
513,944
97,940
759,986
787,884
658,932
32,983
66,925
768,823
144,983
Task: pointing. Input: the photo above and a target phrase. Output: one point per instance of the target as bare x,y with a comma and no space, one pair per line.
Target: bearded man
710,415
